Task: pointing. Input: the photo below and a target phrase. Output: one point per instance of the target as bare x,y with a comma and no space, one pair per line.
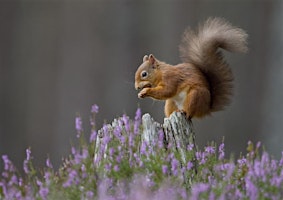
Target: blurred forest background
57,58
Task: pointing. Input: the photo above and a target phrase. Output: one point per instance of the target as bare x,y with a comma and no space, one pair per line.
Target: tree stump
177,130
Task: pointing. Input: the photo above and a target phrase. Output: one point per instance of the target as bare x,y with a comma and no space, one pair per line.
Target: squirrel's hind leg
170,107
197,103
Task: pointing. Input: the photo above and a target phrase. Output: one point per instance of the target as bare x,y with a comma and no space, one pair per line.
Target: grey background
57,58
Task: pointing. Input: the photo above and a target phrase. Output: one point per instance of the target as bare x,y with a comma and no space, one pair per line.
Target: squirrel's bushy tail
201,48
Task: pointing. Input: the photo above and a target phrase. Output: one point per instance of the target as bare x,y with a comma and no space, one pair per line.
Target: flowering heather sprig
49,164
137,121
93,136
79,127
221,153
94,111
116,163
8,165
43,191
94,108
26,161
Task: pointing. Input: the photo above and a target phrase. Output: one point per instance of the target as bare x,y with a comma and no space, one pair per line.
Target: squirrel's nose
137,87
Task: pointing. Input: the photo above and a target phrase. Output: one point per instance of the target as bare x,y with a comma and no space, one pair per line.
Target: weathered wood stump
177,131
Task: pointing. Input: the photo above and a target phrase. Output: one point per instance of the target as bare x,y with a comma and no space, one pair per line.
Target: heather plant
115,162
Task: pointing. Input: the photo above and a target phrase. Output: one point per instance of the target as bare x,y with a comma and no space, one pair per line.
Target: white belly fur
179,99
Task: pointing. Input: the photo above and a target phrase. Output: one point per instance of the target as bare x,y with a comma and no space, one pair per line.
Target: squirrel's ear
151,59
145,58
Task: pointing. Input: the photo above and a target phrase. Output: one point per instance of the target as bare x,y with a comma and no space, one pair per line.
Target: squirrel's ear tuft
145,58
151,59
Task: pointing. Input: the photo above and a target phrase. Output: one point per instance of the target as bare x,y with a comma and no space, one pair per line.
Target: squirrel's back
201,48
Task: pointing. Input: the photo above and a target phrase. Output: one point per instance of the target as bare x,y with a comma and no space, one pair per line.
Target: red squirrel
202,83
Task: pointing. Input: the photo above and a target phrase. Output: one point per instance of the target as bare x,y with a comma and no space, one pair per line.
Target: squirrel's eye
143,74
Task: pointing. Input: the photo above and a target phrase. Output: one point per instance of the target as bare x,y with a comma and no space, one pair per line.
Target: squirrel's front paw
143,93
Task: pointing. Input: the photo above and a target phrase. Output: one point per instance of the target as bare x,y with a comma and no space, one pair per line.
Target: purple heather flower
143,148
103,188
5,174
264,158
198,155
238,194
183,193
137,121
137,158
83,169
211,180
108,167
203,158
8,165
257,169
170,156
106,136
47,177
93,136
170,145
242,162
119,158
13,180
229,168
77,159
43,191
89,195
21,182
211,196
116,168
72,178
48,163
138,115
84,153
97,159
274,164
190,147
149,182
210,149
79,126
111,151
131,140
160,139
123,139
164,169
221,151
74,151
135,155
197,189
28,154
276,181
174,166
117,131
126,122
258,144
183,169
25,166
251,189
190,165
94,108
